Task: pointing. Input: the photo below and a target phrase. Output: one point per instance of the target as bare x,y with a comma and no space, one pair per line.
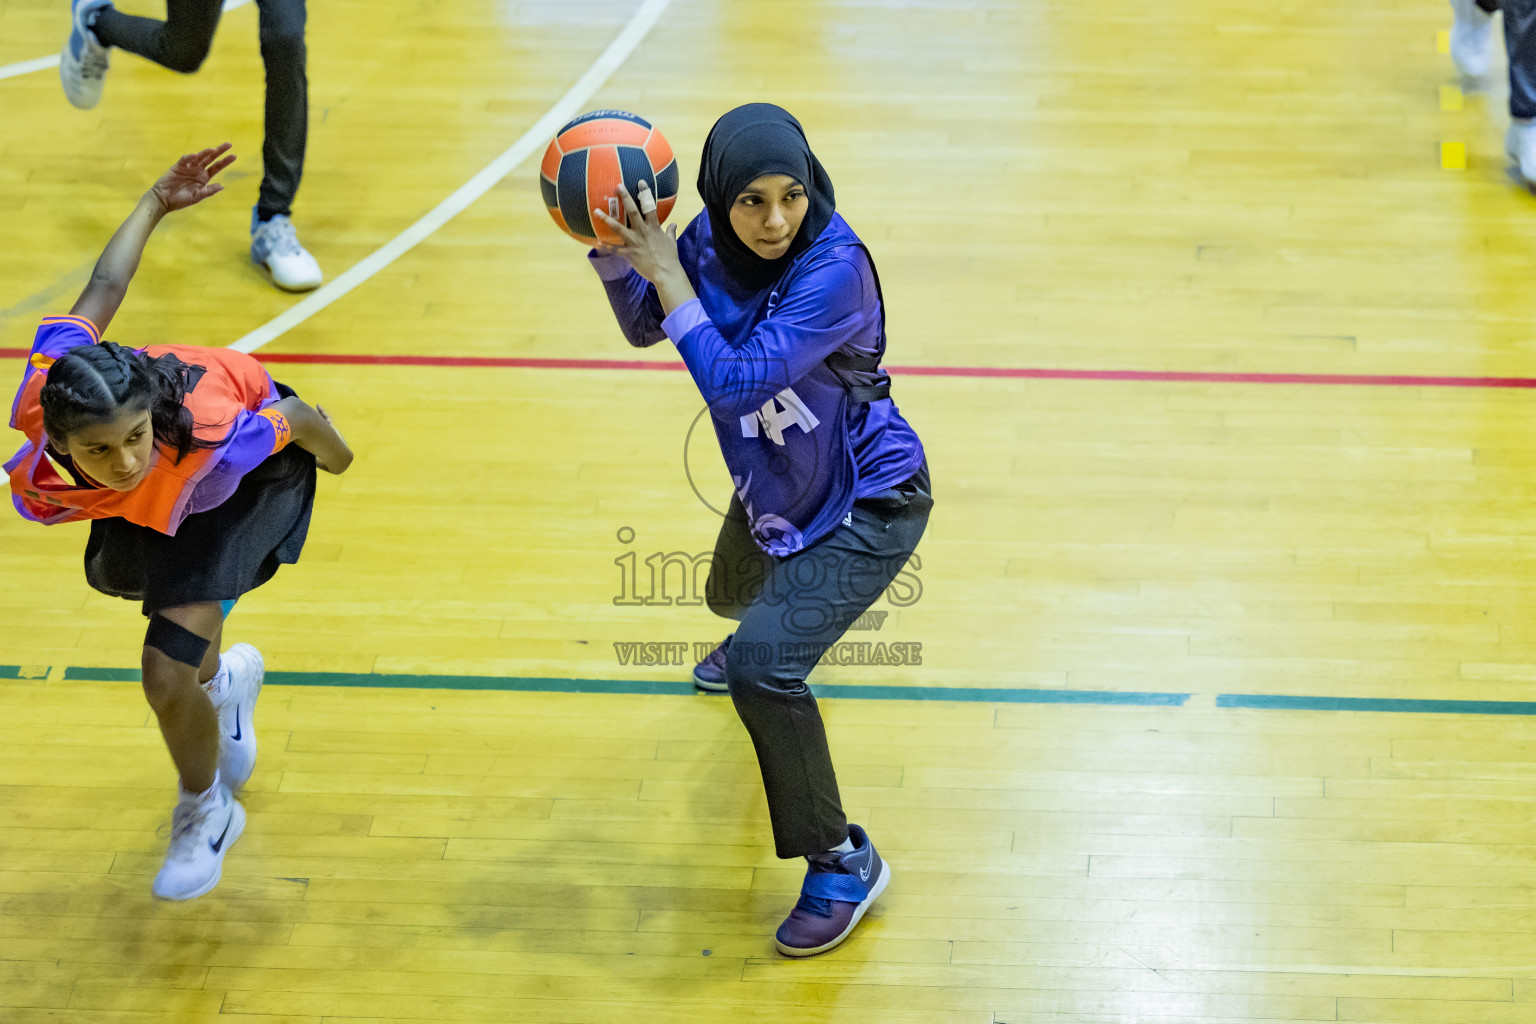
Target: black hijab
745,144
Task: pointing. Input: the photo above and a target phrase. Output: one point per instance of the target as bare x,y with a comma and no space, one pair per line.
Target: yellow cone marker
1443,41
1451,97
1453,156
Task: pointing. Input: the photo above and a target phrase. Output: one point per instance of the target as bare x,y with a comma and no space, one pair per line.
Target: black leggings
1520,44
790,611
181,43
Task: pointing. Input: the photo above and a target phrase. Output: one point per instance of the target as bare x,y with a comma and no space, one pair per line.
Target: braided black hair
97,383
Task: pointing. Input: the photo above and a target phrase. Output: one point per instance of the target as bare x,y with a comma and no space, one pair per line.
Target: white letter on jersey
775,418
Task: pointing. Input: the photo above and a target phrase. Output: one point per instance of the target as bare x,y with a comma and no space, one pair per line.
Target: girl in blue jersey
773,303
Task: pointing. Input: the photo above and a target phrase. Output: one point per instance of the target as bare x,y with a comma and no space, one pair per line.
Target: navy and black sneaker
838,889
709,674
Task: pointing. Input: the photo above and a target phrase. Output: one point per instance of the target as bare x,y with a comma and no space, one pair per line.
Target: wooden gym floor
1240,657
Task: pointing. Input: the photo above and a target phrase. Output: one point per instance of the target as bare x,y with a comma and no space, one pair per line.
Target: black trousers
181,43
1520,44
790,611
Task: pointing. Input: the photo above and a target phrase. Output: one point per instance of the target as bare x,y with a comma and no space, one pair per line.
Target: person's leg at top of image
1520,44
274,242
180,42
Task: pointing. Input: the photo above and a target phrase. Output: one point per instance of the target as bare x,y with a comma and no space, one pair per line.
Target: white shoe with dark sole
275,248
83,64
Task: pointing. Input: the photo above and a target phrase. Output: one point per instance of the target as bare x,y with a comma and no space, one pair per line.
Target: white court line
26,67
534,138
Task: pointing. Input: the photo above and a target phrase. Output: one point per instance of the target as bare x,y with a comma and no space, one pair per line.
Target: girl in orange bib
197,473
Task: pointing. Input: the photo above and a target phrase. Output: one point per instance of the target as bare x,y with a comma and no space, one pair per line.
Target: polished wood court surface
1168,810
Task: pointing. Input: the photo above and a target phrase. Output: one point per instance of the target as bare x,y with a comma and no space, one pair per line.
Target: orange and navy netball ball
589,157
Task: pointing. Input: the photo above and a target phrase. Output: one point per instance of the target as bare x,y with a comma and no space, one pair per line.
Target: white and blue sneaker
275,248
83,64
237,715
1471,38
202,831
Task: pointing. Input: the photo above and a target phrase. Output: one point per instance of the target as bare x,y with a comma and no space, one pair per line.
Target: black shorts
217,555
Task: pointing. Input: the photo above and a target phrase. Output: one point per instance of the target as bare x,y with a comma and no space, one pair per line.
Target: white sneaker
202,831
1520,147
1471,38
83,64
275,246
237,724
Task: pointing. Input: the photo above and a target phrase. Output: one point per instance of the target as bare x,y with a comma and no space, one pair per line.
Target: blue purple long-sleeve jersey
800,452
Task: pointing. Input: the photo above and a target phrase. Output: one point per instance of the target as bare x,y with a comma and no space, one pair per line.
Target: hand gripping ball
588,158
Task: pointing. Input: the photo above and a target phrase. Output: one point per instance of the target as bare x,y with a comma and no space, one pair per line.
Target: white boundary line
535,137
26,67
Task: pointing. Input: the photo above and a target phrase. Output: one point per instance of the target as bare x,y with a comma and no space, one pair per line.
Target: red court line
1170,376
468,361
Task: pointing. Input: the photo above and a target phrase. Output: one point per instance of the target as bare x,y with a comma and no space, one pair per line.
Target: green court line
1420,706
103,675
843,691
657,686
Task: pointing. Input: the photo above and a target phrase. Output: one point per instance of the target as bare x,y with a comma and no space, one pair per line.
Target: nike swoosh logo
219,845
236,736
864,873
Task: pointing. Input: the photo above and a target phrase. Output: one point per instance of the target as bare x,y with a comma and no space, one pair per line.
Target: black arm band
175,642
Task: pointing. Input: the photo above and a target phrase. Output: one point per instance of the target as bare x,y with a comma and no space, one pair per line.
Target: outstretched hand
190,181
651,250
